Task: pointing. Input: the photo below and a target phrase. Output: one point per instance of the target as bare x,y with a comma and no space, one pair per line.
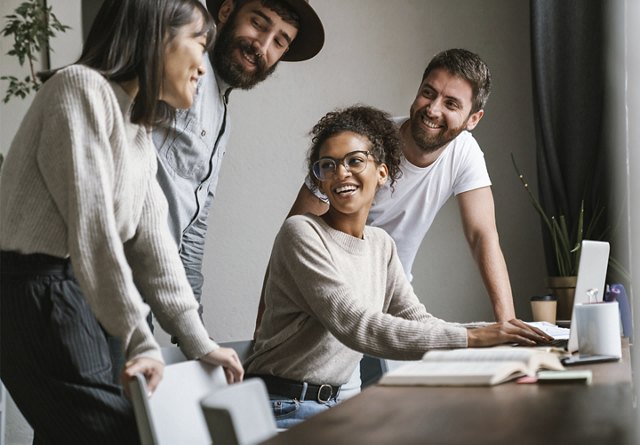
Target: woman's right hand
229,360
150,368
512,331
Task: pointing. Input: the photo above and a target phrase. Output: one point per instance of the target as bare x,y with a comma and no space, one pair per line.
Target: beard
428,141
231,71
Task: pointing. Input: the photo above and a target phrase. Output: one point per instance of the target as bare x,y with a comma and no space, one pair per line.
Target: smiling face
183,65
350,194
251,42
441,110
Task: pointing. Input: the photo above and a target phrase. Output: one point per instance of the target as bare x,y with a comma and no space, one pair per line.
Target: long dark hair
127,41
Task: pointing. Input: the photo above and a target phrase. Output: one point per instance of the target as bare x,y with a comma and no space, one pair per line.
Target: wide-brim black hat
310,37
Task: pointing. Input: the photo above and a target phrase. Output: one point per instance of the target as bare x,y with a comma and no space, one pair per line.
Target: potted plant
32,25
566,247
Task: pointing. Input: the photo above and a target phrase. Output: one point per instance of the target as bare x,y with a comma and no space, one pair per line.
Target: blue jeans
290,412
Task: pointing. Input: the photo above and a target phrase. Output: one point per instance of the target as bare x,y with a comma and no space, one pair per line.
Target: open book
472,367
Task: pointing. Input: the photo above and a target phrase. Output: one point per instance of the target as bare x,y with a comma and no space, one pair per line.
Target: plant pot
564,288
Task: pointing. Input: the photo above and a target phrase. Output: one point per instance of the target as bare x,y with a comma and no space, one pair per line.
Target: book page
473,366
532,359
482,354
553,330
466,373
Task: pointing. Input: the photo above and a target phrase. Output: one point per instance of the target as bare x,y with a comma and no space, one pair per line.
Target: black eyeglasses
354,162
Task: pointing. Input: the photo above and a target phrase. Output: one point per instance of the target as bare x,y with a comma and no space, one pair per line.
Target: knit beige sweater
331,297
79,182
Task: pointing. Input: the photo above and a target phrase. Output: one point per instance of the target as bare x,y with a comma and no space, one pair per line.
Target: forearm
384,335
493,269
478,220
307,202
160,277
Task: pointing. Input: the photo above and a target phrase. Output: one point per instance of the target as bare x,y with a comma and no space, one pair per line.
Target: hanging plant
32,25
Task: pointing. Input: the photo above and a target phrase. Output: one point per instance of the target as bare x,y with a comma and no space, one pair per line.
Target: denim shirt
190,153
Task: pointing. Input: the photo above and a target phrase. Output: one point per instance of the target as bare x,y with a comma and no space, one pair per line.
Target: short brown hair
469,66
280,7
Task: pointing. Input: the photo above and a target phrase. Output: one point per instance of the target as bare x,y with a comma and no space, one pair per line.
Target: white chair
173,415
243,348
173,355
239,414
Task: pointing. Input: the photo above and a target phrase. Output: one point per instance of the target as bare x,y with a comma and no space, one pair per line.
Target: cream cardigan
79,182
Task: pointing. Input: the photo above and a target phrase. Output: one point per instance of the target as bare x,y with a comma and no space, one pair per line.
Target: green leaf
31,26
566,241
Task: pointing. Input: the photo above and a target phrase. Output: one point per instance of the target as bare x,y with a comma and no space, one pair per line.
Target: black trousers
54,356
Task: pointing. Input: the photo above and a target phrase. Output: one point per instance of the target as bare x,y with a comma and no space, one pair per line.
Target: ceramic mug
598,328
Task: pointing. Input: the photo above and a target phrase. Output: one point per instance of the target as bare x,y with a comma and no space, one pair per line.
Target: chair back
173,415
172,355
240,414
243,348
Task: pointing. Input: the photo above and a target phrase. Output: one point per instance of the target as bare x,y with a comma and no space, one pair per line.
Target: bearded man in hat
252,37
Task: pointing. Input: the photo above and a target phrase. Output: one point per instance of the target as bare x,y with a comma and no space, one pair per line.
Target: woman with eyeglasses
335,288
83,226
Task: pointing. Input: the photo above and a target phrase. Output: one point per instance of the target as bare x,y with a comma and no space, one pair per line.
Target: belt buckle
319,396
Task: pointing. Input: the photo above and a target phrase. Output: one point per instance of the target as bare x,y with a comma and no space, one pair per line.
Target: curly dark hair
375,125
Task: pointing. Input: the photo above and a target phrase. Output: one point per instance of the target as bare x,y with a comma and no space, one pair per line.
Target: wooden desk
511,413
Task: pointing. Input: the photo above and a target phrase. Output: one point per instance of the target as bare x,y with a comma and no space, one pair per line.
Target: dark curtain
567,43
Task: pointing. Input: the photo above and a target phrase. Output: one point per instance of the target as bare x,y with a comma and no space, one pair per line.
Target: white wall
624,68
633,42
623,115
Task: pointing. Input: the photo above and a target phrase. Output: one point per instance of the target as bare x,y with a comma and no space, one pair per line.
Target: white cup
598,326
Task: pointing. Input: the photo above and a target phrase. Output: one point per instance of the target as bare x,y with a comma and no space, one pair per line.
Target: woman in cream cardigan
83,229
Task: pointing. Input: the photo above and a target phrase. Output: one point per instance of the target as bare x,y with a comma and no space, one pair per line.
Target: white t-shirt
408,212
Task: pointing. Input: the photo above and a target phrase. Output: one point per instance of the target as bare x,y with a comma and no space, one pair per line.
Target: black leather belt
14,263
295,390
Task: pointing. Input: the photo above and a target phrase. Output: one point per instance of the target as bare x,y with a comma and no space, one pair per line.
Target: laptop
592,273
